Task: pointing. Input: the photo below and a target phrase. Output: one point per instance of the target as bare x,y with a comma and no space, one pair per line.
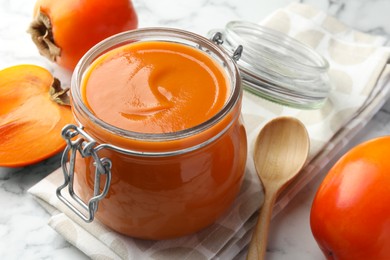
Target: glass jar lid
276,66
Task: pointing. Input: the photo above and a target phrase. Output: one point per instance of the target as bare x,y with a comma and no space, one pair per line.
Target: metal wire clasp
87,147
217,38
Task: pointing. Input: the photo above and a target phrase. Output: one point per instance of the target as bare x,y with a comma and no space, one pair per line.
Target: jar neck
184,139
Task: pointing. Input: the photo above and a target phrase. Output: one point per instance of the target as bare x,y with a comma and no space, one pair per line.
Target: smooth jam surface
155,87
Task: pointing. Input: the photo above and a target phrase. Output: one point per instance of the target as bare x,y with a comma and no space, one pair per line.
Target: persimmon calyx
42,35
58,94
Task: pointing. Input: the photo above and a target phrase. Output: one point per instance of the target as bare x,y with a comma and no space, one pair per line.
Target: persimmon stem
59,94
42,35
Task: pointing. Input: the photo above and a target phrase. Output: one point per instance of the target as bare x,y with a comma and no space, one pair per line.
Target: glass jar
154,186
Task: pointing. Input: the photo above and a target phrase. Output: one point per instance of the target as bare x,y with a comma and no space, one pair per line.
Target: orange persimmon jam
155,87
169,115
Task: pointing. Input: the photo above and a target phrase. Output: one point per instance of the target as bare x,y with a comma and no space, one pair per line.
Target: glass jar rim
157,34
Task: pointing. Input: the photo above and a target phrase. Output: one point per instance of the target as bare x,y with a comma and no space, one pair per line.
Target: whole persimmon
350,214
64,30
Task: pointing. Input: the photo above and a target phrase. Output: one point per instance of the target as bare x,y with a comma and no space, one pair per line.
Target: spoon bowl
281,150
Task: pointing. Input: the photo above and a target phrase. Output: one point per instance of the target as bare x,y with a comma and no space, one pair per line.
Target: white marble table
24,233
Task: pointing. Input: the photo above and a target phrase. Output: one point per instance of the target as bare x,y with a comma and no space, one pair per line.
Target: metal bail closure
217,38
87,147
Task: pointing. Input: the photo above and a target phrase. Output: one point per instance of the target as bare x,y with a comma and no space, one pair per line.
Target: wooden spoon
280,152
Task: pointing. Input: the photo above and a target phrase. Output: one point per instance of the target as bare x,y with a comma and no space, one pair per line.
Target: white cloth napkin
360,77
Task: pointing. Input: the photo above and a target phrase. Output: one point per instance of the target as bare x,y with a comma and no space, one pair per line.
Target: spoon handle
258,244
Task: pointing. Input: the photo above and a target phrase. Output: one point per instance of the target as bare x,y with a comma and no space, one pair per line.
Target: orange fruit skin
350,214
79,25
